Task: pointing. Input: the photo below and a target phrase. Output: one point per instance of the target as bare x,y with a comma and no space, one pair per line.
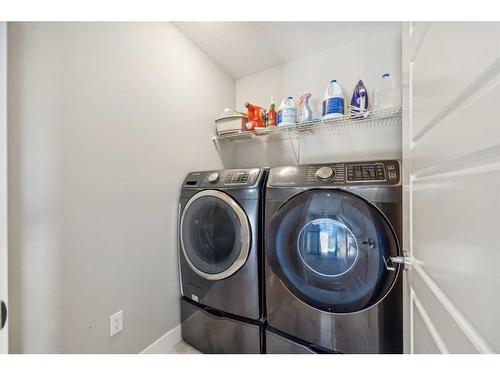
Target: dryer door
331,249
214,234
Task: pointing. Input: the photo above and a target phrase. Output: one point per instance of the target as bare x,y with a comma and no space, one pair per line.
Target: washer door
330,248
214,234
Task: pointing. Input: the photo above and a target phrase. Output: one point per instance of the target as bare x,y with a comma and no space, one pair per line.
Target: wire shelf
348,123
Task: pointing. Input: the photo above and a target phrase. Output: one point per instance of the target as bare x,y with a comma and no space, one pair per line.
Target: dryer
220,258
333,281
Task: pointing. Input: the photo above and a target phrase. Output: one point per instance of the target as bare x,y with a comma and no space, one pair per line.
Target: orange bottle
271,114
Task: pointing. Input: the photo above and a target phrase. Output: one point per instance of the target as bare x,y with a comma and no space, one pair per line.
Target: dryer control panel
223,178
365,172
379,172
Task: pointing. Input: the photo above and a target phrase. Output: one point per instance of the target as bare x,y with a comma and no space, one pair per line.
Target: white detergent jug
386,94
333,101
287,114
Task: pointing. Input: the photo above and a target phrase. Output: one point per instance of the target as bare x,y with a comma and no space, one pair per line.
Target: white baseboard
165,342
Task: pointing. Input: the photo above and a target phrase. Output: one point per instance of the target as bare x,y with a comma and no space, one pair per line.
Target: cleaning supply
386,94
287,113
333,101
271,114
230,122
359,100
305,111
256,116
230,112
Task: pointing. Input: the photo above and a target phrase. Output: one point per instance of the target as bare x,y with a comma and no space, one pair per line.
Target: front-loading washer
220,249
331,251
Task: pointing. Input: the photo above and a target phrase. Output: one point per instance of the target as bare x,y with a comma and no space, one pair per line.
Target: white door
451,160
3,188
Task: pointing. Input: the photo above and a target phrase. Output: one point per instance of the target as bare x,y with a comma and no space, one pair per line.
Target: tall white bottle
386,94
287,113
333,101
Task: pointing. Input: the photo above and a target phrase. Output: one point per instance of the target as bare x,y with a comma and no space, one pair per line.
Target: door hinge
405,260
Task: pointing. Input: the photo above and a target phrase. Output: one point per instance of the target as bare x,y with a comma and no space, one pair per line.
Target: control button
391,167
392,175
325,173
253,175
213,177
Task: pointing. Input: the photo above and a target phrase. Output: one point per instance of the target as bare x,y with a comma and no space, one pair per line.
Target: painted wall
104,121
366,59
4,342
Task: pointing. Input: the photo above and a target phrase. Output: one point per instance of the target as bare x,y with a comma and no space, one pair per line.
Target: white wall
366,59
4,342
104,122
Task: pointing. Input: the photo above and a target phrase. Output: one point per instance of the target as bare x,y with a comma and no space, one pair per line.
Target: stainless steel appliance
333,277
220,255
281,343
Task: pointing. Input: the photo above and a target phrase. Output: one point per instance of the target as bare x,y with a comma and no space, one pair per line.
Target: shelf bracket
296,151
216,144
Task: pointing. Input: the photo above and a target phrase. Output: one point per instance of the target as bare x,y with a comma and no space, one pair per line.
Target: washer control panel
223,178
324,174
237,177
365,172
213,177
379,172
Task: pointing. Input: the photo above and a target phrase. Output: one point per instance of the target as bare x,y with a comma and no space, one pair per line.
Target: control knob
325,173
213,177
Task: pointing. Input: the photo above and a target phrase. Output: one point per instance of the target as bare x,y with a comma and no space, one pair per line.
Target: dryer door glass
214,234
331,248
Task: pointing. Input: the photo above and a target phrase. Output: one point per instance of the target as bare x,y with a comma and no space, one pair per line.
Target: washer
220,254
333,280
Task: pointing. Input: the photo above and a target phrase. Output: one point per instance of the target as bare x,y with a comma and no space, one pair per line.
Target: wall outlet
115,323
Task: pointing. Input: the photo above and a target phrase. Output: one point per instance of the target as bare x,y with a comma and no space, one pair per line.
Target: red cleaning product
256,116
271,114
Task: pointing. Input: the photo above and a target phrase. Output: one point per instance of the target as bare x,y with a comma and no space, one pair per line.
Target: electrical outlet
115,323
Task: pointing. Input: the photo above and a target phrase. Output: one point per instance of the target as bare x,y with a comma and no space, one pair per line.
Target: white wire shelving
352,122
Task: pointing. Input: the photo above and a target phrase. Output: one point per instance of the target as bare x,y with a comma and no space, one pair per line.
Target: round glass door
330,249
214,234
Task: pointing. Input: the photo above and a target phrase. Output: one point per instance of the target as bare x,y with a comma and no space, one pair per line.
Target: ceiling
244,48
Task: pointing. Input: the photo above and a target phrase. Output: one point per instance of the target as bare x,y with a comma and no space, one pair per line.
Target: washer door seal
215,235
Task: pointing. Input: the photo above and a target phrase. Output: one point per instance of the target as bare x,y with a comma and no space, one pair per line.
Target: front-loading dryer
331,251
220,255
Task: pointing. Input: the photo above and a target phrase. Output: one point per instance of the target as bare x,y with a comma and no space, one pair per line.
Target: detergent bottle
255,115
386,94
305,111
271,114
287,113
333,101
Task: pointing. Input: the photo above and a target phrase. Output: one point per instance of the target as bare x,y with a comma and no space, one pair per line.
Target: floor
183,348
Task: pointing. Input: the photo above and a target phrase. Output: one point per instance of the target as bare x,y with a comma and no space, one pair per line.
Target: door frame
4,341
